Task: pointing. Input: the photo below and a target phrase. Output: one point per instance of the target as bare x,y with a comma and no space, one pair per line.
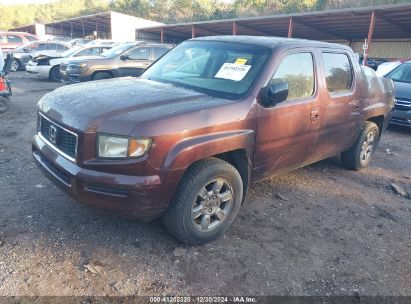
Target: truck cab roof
272,42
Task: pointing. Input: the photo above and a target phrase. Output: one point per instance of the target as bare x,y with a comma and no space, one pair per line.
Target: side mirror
276,93
26,50
124,57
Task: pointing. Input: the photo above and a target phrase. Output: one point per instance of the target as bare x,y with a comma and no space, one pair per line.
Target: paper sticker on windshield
232,71
241,61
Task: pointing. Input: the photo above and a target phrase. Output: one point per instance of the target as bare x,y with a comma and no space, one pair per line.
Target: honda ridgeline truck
186,139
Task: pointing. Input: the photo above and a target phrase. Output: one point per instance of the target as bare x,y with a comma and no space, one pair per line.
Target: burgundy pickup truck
186,139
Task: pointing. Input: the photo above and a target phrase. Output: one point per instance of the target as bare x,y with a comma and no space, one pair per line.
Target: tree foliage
169,11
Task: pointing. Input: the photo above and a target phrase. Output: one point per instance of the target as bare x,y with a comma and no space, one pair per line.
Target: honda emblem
53,134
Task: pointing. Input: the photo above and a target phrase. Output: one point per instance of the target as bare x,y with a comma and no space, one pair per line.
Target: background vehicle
185,140
386,67
11,40
23,54
126,59
5,88
401,76
102,42
79,41
49,66
374,63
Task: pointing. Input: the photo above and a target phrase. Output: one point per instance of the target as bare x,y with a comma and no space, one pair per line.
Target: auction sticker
240,61
232,71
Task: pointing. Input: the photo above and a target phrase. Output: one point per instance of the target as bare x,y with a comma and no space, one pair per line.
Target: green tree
169,11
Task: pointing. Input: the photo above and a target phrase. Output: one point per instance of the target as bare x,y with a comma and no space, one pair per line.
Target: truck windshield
221,69
401,73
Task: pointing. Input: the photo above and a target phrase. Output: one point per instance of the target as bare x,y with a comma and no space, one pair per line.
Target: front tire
4,104
55,74
16,65
360,154
102,75
205,203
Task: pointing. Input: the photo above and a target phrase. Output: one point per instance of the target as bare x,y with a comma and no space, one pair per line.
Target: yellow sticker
240,61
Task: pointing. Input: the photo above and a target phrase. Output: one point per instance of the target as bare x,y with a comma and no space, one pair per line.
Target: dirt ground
320,230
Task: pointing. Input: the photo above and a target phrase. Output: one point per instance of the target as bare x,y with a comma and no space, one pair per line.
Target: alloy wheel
14,65
212,205
367,148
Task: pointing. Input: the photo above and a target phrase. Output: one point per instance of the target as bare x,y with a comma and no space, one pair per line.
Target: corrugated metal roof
392,21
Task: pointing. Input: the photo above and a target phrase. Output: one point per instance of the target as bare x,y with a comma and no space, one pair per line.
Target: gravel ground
320,230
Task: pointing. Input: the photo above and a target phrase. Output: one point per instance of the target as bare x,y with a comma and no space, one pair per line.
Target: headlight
121,147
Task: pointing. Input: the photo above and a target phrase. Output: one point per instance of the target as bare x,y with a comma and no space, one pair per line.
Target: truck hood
402,90
118,105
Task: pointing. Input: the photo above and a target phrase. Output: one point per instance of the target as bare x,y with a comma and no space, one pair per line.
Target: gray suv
127,59
401,76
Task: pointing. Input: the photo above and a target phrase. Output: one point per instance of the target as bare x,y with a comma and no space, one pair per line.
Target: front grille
62,139
401,121
402,104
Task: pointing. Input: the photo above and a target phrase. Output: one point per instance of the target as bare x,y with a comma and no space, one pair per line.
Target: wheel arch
240,160
102,71
379,121
234,147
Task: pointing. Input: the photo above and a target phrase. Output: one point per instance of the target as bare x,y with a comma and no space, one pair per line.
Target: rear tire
101,75
360,154
54,74
4,104
205,203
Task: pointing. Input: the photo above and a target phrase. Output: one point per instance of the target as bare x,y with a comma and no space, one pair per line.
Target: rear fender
383,105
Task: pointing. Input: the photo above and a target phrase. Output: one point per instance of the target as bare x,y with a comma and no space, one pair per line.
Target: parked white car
49,66
386,67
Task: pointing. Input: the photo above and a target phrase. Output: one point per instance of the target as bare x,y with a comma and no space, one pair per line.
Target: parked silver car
23,54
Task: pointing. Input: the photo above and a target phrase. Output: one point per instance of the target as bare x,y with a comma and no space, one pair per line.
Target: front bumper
70,76
401,118
39,70
131,196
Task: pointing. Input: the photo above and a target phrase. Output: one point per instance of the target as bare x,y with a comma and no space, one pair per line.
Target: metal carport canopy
81,26
391,21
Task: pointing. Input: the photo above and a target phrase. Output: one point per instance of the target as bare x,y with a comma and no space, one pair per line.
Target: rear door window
42,47
14,39
338,72
61,47
95,51
297,70
141,53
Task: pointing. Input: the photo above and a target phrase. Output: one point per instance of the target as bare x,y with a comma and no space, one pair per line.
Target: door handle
355,105
314,114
